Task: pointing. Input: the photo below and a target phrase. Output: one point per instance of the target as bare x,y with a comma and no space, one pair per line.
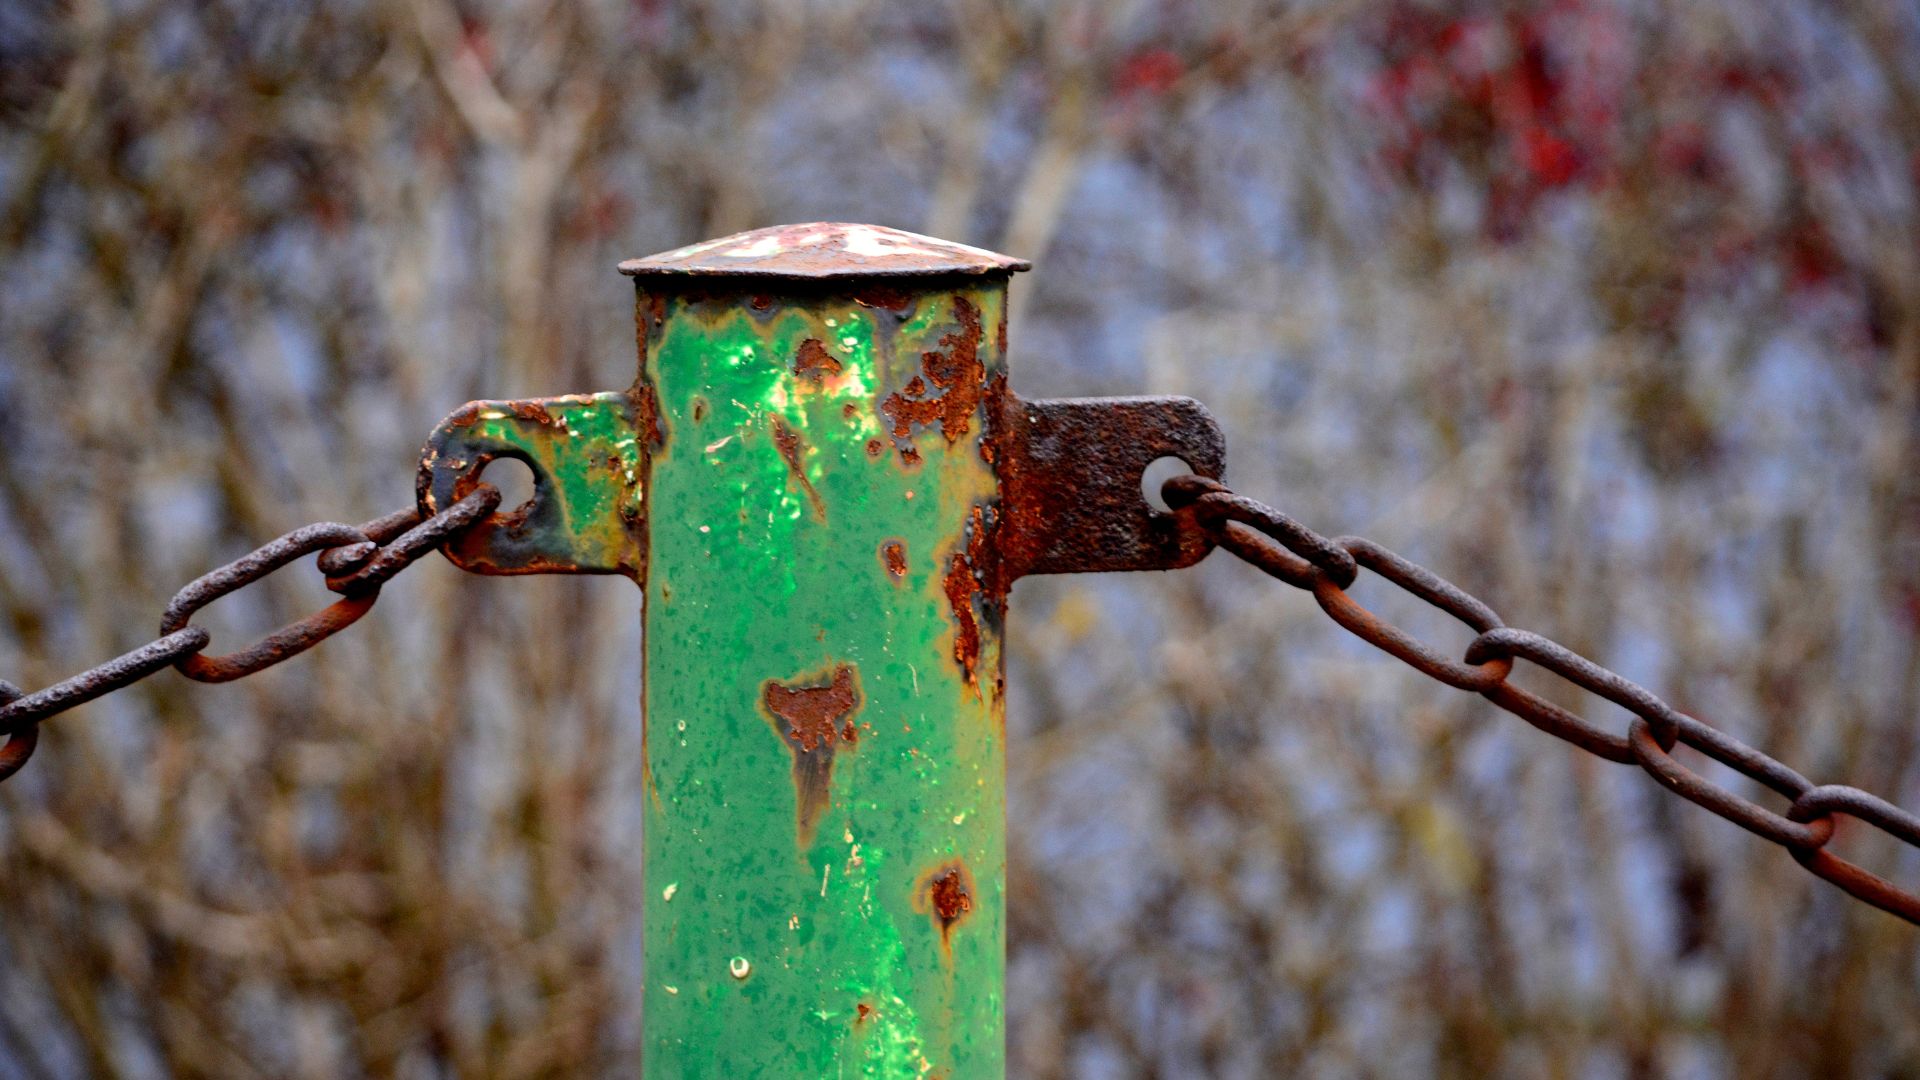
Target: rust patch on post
956,371
533,412
960,587
792,449
995,401
814,362
974,575
647,419
945,895
813,718
893,555
888,298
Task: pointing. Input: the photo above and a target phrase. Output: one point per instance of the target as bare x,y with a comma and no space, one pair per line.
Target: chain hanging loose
1327,567
356,560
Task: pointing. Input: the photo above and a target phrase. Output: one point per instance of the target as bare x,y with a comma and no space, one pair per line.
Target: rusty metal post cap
824,249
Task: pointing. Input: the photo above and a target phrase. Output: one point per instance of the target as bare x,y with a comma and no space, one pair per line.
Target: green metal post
806,461
820,481
826,835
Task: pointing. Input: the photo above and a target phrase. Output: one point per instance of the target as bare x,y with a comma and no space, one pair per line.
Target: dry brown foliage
1609,310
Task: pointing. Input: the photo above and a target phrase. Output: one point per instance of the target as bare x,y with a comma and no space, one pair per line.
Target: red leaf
1150,71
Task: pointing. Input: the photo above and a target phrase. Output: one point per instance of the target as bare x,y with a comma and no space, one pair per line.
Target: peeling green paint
747,587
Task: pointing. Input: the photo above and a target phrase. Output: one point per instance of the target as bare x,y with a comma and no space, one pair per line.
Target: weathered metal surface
823,249
21,713
587,453
357,561
250,568
21,741
825,487
824,727
1071,477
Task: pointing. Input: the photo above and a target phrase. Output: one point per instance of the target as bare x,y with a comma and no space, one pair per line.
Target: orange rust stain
974,574
950,898
814,363
792,449
960,585
531,411
888,297
640,323
812,718
893,555
862,1011
647,416
650,314
849,410
945,895
956,371
996,415
875,448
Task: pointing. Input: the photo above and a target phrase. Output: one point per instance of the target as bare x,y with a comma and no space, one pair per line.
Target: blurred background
1607,309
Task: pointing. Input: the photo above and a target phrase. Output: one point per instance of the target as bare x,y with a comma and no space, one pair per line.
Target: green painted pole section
825,840
824,487
803,480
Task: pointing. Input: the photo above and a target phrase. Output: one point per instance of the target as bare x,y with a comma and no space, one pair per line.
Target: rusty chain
356,560
1327,567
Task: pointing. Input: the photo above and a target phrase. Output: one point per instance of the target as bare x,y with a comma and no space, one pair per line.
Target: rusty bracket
1071,483
1070,474
587,514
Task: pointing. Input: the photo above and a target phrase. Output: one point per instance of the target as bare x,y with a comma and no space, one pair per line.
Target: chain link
356,560
1327,567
